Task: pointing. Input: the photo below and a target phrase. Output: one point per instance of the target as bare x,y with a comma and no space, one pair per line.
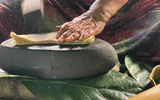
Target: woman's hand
80,28
90,23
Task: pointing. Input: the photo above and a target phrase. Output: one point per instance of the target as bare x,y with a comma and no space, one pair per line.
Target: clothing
137,21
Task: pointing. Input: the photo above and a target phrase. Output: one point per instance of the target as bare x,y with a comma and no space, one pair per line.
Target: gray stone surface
58,61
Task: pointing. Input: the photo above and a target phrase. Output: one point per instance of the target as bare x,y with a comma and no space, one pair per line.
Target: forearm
103,10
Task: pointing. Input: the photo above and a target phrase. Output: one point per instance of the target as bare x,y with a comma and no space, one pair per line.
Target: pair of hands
80,28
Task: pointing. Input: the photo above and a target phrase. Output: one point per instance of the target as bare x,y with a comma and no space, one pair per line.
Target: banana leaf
12,89
139,70
109,86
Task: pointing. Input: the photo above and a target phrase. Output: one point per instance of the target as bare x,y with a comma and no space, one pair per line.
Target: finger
74,36
85,36
63,29
83,23
86,30
63,37
58,27
67,33
73,28
81,28
92,22
88,33
84,26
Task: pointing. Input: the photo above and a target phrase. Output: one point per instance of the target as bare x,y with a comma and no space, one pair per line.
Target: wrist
99,23
103,10
98,15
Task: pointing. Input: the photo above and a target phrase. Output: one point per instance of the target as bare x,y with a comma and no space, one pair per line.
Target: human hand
91,22
80,28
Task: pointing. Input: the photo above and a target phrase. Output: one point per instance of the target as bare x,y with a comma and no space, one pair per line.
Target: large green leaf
139,70
11,88
110,86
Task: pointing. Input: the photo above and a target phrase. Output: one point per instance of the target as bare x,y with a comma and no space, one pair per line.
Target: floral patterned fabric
134,30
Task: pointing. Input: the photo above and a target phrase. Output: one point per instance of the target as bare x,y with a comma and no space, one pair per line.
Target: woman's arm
103,10
91,22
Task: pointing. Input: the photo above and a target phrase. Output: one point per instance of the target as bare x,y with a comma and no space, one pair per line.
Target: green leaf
110,86
12,89
3,73
123,68
139,70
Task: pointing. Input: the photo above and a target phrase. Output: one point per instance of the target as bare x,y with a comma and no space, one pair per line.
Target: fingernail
86,36
58,27
60,40
57,36
70,39
81,39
